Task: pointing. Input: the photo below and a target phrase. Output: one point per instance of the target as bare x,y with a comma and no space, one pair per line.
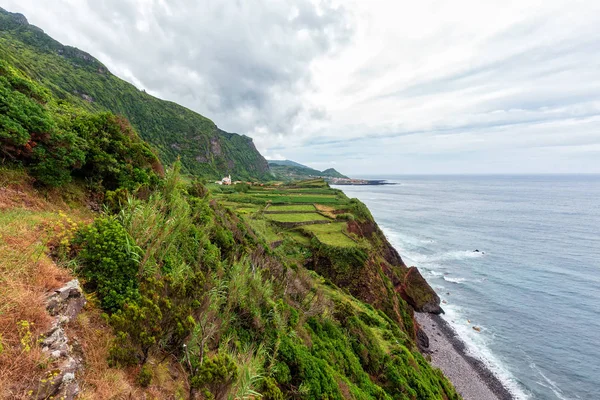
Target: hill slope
173,130
291,170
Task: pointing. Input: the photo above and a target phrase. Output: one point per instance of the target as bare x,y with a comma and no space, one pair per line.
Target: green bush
215,374
110,262
270,390
56,141
145,376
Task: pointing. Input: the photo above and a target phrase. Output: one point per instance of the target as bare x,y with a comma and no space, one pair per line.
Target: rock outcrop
416,291
60,381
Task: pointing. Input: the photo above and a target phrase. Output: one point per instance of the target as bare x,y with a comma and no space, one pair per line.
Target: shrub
55,140
270,390
145,376
110,262
215,374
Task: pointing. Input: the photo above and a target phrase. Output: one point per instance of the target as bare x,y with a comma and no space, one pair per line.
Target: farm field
286,208
330,234
296,217
285,214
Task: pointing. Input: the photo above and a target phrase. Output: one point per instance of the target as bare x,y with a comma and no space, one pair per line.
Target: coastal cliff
188,290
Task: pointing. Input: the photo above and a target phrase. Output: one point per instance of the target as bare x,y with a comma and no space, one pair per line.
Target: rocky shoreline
470,376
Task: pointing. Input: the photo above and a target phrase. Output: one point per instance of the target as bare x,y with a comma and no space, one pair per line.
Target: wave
433,273
476,344
549,383
454,280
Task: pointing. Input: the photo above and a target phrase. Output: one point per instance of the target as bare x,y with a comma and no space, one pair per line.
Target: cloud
374,86
245,64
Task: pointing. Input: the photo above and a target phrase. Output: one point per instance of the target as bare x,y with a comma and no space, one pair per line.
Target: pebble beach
471,378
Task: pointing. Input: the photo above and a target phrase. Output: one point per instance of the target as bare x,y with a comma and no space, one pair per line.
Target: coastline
469,375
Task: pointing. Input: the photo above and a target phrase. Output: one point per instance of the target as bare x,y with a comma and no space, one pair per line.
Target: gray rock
61,381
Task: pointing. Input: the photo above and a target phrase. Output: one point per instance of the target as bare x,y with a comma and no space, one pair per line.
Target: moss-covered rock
417,292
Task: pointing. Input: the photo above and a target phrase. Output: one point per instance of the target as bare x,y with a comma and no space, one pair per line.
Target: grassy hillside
174,131
283,291
288,170
205,297
288,291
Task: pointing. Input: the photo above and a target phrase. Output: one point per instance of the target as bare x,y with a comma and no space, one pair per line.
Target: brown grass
32,224
102,382
27,274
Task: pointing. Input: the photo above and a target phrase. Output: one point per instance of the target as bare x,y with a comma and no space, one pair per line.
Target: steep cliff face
377,275
174,131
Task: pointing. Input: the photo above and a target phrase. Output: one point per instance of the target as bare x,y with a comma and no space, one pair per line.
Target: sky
367,87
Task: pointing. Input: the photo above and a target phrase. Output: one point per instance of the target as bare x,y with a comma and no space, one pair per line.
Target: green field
298,237
330,234
300,217
264,229
299,207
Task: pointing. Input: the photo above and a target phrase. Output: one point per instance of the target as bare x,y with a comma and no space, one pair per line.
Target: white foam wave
476,344
454,280
433,273
455,255
549,383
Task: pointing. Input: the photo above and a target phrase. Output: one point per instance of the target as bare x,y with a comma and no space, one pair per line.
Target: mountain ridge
173,130
292,170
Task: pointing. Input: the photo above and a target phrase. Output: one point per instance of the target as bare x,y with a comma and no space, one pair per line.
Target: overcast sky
372,86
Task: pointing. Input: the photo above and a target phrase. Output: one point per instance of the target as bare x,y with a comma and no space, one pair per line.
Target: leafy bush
56,140
270,390
110,262
145,376
215,373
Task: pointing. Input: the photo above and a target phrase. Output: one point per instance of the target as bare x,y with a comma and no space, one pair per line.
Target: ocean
533,286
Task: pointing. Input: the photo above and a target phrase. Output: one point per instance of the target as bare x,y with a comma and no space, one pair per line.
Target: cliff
187,291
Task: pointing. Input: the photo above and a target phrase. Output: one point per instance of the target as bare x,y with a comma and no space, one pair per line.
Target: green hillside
288,170
174,131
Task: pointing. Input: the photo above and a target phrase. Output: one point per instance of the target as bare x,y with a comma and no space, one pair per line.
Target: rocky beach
472,379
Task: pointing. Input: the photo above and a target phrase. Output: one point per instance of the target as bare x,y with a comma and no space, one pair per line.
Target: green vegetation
57,142
331,234
287,170
77,78
292,208
299,217
188,277
197,283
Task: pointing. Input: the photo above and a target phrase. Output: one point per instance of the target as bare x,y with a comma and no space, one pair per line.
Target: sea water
533,286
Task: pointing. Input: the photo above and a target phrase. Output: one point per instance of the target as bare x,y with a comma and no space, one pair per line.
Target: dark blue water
534,287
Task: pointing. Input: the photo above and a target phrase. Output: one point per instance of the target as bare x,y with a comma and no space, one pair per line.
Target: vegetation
57,142
194,291
331,234
299,217
77,78
287,170
287,208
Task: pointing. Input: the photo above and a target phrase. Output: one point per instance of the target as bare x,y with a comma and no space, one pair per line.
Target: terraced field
331,234
296,217
294,208
295,213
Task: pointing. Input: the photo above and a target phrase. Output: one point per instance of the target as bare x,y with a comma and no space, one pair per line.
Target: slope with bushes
197,305
207,292
76,77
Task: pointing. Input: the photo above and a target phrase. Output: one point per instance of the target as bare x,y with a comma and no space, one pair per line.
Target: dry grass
31,224
100,382
27,274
